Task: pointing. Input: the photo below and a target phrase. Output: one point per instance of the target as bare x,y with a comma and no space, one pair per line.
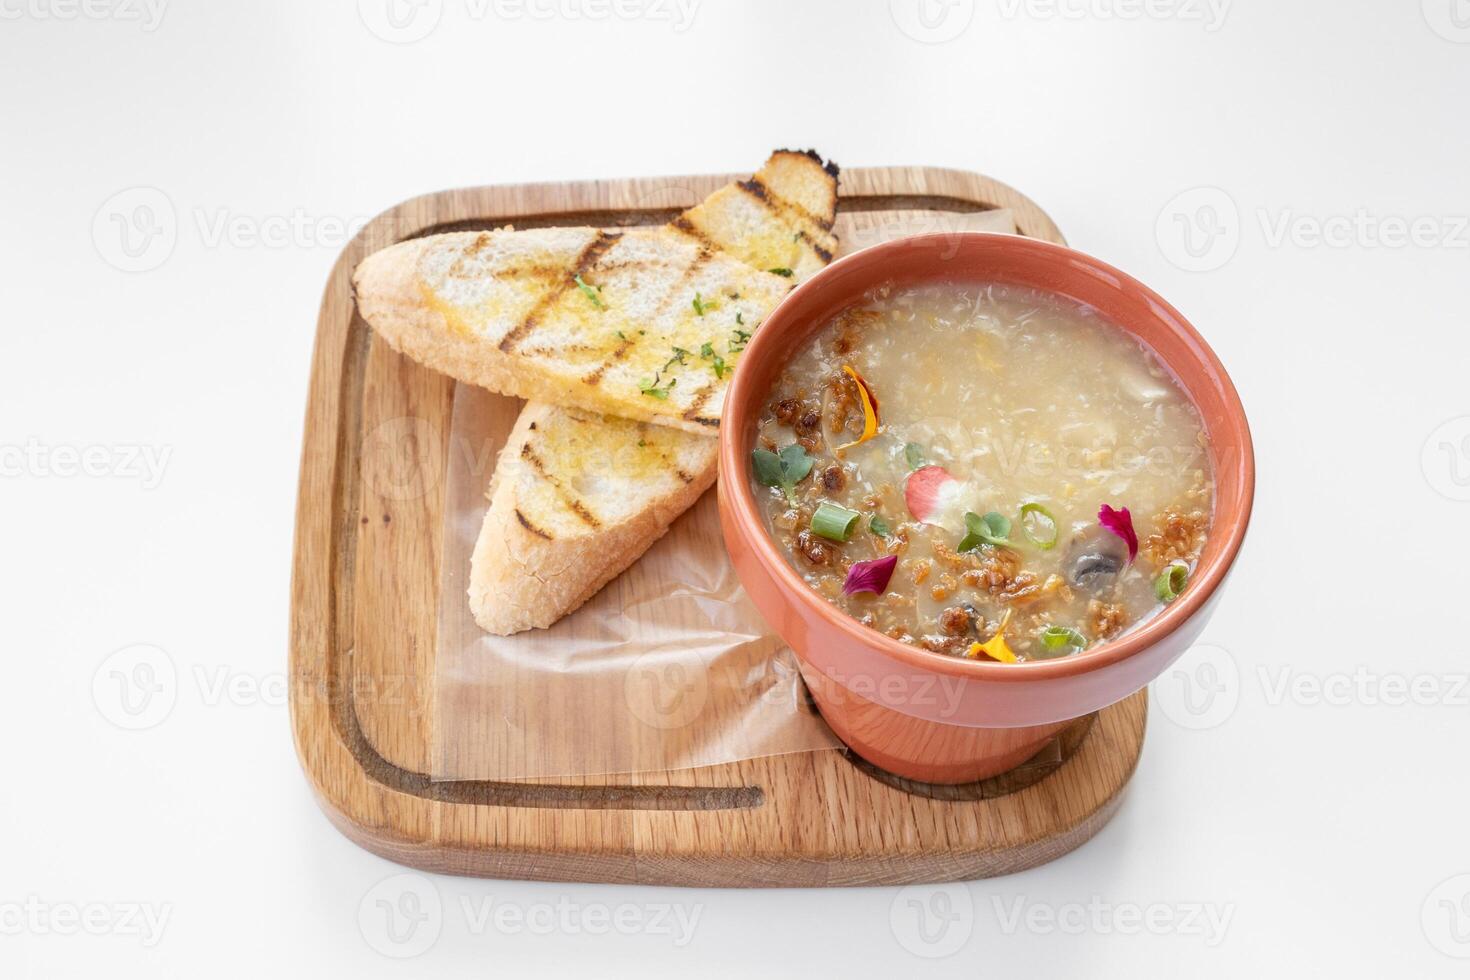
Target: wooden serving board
364,614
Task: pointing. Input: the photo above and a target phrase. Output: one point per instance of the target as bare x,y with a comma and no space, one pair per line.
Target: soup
983,471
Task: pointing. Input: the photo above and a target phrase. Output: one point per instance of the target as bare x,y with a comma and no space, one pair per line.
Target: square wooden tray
363,621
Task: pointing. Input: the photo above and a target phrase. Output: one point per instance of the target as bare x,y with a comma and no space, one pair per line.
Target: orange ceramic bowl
925,715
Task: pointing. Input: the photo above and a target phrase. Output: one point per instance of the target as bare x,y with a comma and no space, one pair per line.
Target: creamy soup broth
986,399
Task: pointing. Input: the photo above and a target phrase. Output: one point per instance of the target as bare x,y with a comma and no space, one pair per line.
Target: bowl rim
734,477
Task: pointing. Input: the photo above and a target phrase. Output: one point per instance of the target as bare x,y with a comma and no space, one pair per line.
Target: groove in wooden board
711,849
819,815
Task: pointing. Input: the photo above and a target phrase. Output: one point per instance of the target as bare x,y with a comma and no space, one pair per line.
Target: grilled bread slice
504,310
575,499
781,218
611,322
578,497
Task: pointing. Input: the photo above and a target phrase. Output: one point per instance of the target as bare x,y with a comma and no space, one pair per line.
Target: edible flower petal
995,648
927,490
870,576
1120,522
870,407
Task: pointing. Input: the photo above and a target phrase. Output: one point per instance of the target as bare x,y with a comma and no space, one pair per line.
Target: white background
1324,831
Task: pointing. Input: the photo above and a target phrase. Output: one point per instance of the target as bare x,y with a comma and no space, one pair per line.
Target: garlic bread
576,498
641,323
620,331
780,218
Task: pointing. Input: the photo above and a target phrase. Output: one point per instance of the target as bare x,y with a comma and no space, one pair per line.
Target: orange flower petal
870,408
995,648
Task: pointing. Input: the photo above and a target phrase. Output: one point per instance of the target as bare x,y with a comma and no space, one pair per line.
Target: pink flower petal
870,576
1120,522
923,489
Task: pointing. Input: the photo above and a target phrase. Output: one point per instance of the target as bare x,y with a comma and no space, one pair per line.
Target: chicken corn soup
983,471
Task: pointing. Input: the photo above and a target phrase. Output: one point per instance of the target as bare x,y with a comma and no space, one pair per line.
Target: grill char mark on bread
584,263
619,352
823,252
678,288
757,189
531,527
574,503
700,397
829,167
682,223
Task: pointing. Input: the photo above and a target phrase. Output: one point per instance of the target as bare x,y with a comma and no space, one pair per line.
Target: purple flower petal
1120,522
870,576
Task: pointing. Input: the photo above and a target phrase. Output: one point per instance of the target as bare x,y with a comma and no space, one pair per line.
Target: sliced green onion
913,454
834,523
1058,637
1044,542
993,528
879,526
1169,584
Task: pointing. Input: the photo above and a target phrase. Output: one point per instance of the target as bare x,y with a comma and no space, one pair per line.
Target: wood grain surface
364,614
